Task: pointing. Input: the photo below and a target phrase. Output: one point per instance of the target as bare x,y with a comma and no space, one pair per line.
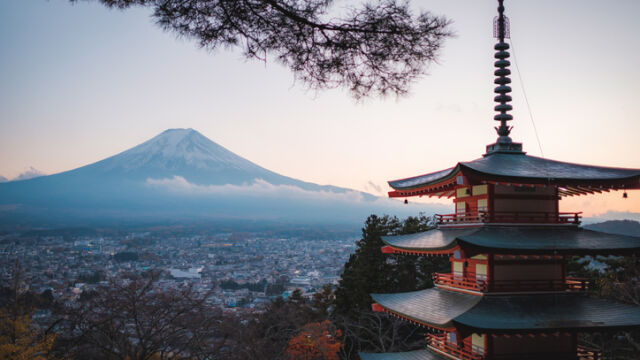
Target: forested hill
622,227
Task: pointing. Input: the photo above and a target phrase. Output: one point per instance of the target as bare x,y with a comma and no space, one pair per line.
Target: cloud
259,188
3,179
29,174
372,186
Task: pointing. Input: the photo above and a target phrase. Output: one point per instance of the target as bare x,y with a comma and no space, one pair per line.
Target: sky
80,82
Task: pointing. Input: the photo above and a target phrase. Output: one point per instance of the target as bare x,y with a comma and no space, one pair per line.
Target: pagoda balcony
439,344
485,286
509,217
588,353
583,353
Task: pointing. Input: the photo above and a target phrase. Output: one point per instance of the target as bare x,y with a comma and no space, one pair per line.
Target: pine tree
370,271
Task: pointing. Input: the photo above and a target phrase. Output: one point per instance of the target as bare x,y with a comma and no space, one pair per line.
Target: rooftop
521,169
515,239
409,355
509,313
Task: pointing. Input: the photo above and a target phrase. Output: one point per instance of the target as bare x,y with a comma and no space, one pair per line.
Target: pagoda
508,295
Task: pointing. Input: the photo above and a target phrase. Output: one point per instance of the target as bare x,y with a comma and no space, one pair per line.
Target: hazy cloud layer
259,188
3,179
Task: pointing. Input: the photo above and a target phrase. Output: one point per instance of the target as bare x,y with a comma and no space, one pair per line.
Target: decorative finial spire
502,72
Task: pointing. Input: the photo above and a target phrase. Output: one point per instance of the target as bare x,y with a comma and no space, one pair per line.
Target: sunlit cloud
259,188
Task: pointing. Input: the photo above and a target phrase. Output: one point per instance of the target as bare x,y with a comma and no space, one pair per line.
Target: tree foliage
135,320
19,339
315,341
378,48
368,271
267,335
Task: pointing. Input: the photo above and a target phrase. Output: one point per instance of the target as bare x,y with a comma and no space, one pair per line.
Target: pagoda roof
519,168
509,313
549,311
515,240
409,355
433,307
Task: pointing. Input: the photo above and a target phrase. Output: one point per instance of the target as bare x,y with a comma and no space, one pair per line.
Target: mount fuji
180,175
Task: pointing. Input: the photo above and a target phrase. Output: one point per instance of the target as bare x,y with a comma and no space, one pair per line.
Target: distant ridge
621,227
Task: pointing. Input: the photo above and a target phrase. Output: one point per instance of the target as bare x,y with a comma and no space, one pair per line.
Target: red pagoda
508,295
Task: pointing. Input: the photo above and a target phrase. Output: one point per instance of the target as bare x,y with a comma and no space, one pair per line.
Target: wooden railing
440,343
459,282
511,217
570,284
583,353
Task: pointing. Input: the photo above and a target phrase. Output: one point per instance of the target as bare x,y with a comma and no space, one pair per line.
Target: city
240,271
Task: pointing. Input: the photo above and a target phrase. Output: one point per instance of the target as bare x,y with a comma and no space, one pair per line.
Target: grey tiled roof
409,355
432,306
521,239
523,167
549,312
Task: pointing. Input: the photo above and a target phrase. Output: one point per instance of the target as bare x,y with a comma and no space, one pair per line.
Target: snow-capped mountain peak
175,149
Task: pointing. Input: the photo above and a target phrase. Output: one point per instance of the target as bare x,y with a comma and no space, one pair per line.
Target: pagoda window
461,207
452,338
458,268
483,205
462,192
477,343
481,272
477,190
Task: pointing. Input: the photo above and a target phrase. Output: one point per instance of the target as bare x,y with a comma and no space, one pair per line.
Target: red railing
440,343
510,217
583,353
465,283
569,284
459,282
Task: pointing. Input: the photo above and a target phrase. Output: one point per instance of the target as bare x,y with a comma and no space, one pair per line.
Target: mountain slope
190,155
181,174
